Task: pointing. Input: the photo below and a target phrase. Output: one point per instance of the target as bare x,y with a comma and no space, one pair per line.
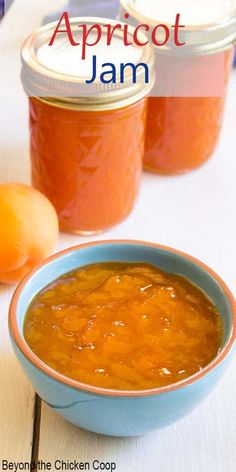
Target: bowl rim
21,344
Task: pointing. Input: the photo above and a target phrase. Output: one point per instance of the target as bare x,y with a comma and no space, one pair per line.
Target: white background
194,213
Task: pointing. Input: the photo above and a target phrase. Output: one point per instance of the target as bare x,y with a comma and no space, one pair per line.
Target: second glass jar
184,120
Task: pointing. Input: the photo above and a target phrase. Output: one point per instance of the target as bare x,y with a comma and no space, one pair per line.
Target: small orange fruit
28,230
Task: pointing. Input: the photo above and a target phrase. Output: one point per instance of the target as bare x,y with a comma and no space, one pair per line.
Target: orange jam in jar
185,109
87,140
125,326
182,132
90,165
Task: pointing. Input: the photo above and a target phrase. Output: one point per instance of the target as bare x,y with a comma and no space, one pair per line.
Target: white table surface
195,213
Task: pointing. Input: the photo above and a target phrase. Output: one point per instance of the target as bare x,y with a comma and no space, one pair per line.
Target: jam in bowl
122,337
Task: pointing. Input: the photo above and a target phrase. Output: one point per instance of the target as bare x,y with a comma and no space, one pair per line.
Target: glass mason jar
86,141
185,112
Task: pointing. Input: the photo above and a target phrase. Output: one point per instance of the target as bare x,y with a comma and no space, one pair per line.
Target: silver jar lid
58,73
215,32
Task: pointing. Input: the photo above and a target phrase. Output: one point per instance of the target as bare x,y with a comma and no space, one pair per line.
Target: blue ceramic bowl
112,412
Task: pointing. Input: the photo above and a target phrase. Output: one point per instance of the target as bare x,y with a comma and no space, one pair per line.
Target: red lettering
167,35
136,39
64,17
126,36
91,35
176,27
85,35
110,32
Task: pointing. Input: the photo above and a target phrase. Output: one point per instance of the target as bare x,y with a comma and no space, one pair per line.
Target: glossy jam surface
88,163
182,131
123,326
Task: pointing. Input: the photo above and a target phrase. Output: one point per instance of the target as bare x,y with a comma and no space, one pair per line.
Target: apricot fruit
28,230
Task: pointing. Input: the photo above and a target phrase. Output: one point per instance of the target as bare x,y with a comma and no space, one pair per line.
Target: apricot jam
123,326
186,105
182,132
90,165
86,139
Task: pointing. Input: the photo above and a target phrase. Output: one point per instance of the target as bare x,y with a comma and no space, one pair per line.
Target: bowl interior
127,252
